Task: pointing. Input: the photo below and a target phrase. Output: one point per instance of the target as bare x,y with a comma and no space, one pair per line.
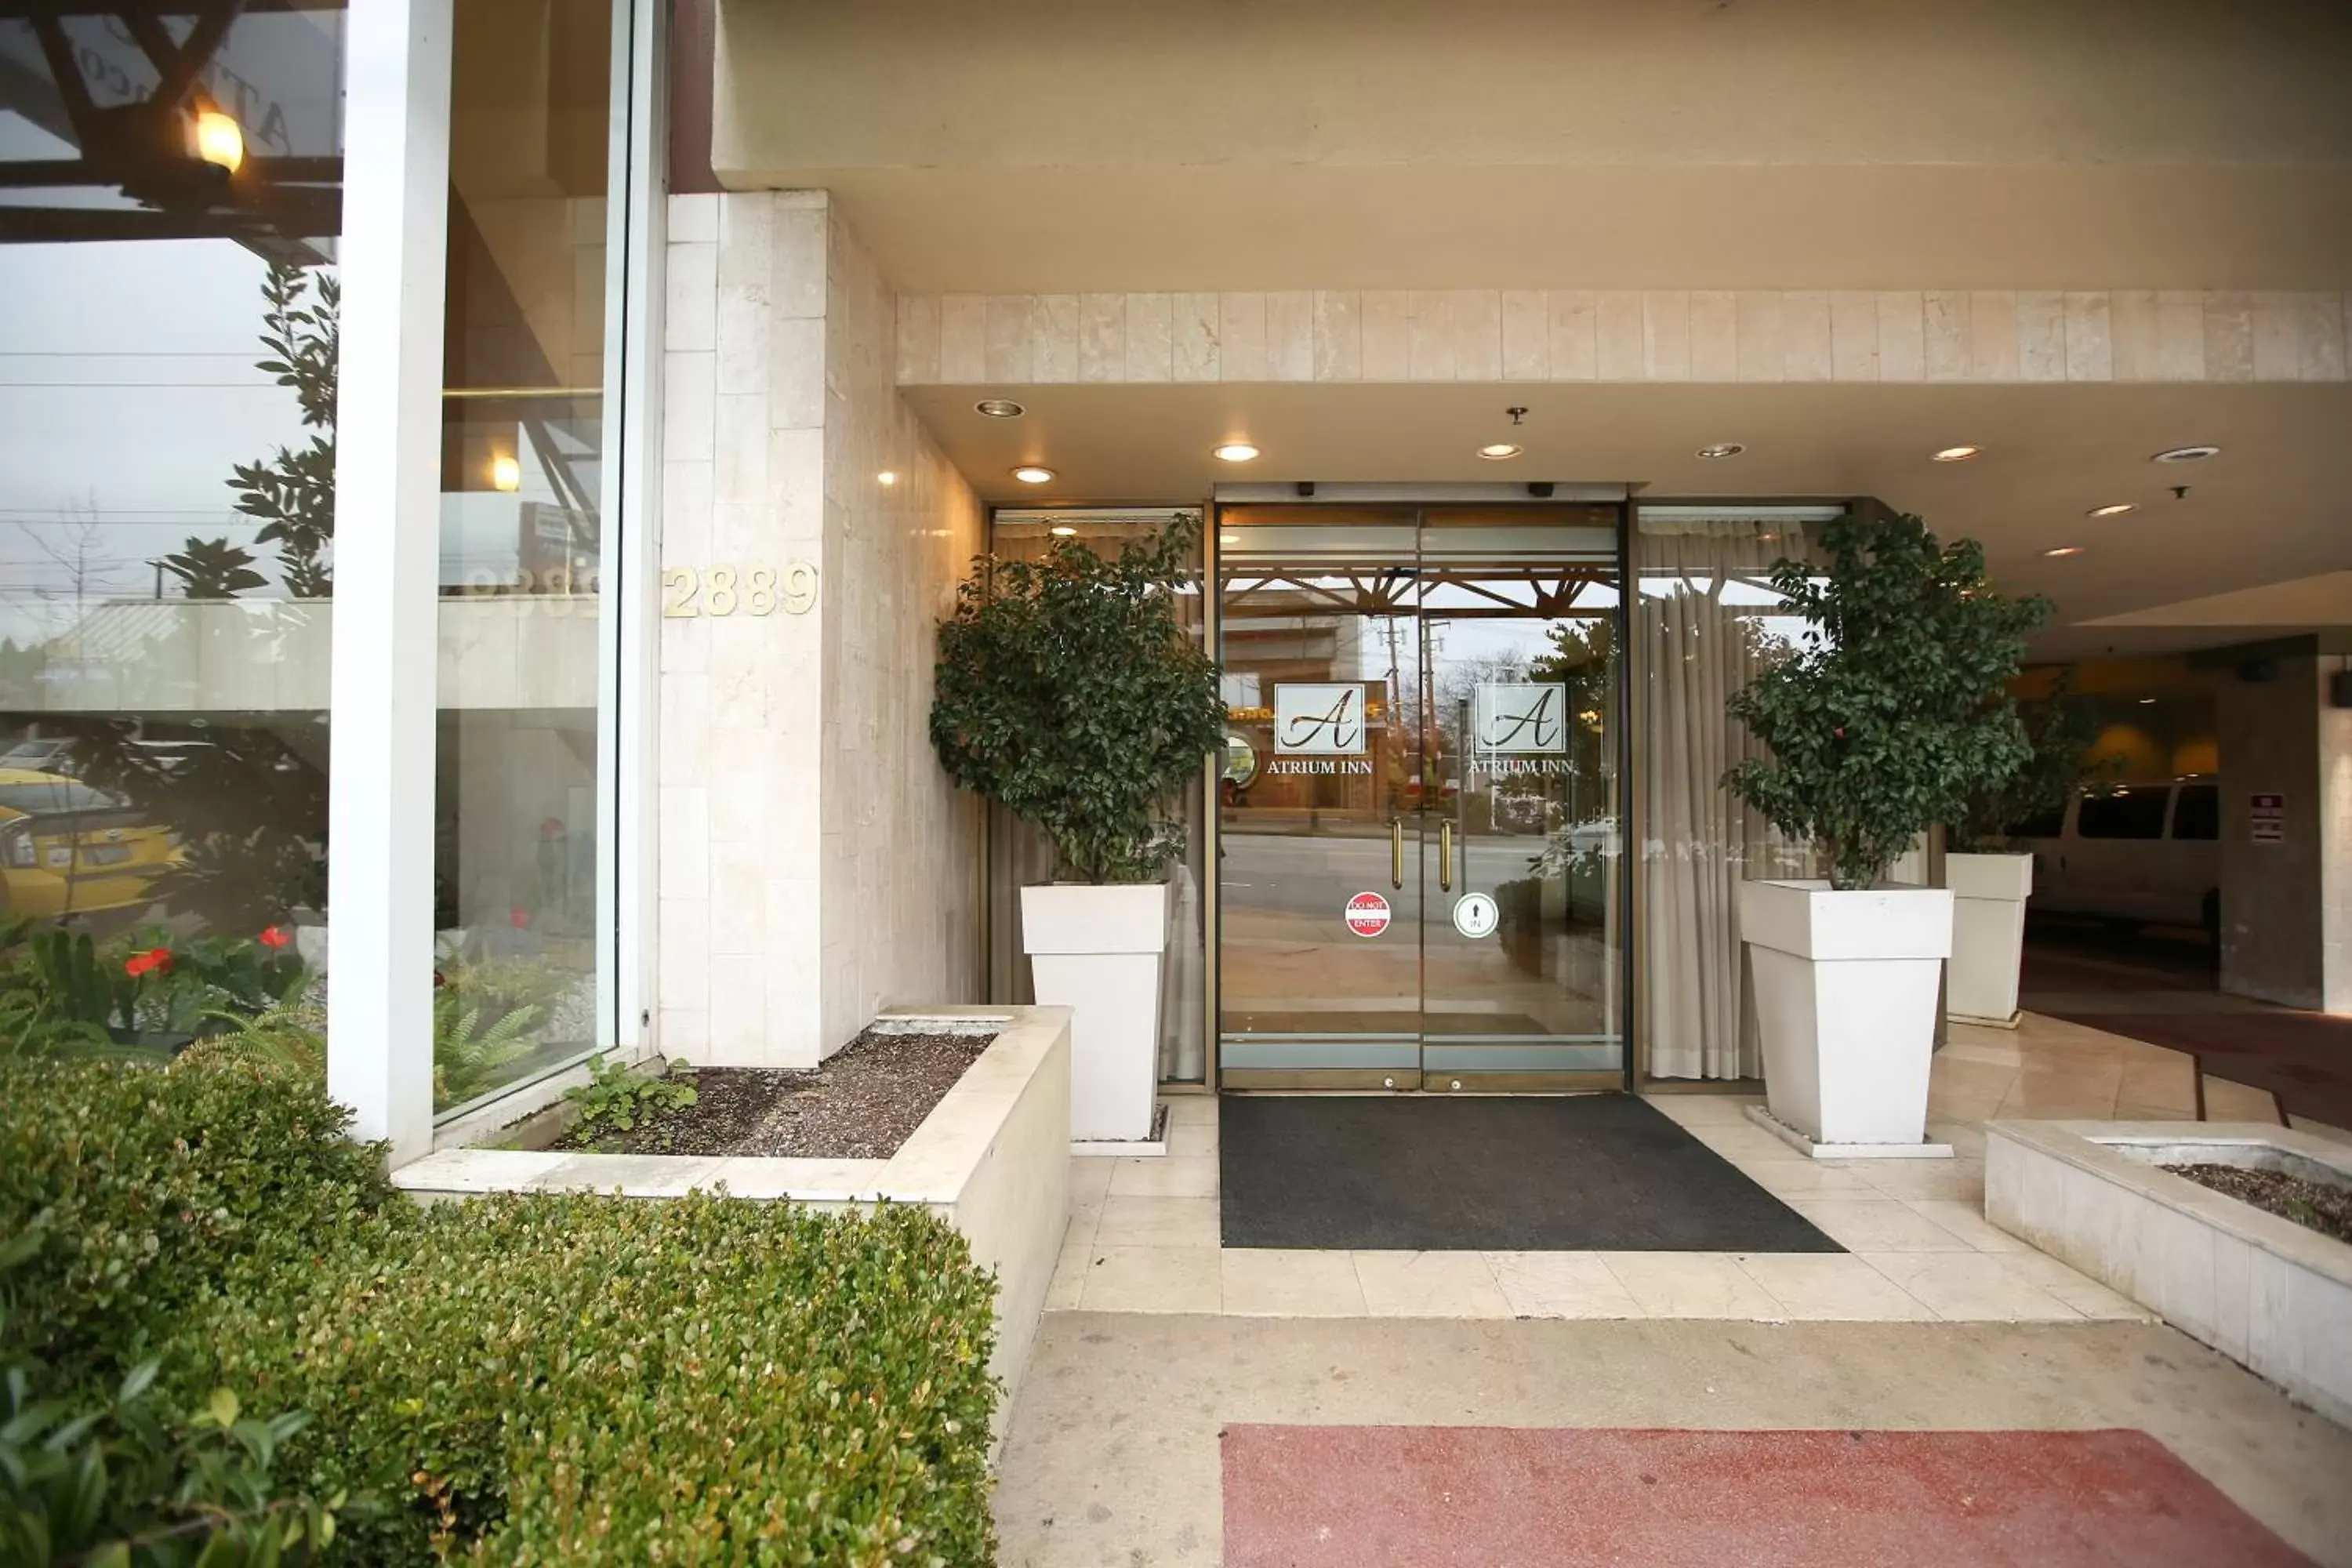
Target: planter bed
2262,1289
992,1157
862,1103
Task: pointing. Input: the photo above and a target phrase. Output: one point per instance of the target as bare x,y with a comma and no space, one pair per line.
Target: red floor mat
1438,1497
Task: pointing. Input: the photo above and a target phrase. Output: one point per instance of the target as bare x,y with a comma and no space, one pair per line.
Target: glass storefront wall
169,214
1419,861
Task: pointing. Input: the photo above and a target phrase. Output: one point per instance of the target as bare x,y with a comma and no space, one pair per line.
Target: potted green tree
1885,720
1990,881
1068,692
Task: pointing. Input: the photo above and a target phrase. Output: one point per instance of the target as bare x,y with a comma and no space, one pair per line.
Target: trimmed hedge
585,1380
149,1188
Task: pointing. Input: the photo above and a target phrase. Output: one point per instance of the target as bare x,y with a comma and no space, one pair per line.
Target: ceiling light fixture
1722,449
1062,531
886,477
1959,454
1234,452
1499,450
1229,539
2186,454
999,408
217,138
2113,509
506,474
2063,549
1033,474
2148,701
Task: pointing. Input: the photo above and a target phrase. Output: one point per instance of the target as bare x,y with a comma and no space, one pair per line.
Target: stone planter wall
992,1158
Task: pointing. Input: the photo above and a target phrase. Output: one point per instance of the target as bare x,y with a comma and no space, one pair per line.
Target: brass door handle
1445,856
1396,852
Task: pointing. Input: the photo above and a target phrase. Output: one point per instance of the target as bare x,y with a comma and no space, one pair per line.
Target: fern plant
470,1058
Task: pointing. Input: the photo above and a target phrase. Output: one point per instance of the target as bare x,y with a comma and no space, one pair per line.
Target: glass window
2047,823
2123,813
169,214
525,431
2198,813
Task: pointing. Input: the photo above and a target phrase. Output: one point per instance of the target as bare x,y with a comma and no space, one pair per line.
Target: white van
2144,852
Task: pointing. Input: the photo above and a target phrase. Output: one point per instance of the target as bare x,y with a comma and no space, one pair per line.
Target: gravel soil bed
2323,1207
861,1104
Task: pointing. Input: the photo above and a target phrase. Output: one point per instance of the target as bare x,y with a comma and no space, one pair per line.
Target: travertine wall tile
2277,330
1762,353
1853,335
1387,334
1572,341
690,298
2137,342
1992,335
2180,335
2089,337
1195,321
1477,335
1429,339
1666,335
917,340
1102,337
1944,315
742,338
1011,337
2040,334
1527,336
1714,335
2323,348
1150,337
1053,338
964,339
1338,336
1902,336
1290,335
1617,334
1241,337
2229,336
1805,350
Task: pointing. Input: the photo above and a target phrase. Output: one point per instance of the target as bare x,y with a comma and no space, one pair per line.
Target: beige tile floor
1143,1234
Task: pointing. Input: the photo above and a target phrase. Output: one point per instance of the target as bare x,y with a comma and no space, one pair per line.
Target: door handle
1445,856
1396,853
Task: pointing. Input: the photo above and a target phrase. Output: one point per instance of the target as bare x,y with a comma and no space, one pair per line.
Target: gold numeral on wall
677,592
724,590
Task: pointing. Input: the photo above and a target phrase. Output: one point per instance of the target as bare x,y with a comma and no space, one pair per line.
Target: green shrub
617,1098
147,1186
585,1380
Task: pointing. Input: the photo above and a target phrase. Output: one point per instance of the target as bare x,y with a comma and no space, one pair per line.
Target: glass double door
1417,849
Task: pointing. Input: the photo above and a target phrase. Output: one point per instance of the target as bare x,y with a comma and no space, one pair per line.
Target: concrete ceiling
1073,146
2275,507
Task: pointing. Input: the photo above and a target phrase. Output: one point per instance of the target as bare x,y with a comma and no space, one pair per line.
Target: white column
387,552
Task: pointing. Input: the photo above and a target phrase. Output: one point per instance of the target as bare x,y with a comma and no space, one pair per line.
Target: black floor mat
1602,1173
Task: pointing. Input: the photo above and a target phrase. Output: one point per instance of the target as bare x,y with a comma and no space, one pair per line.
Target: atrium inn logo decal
1519,727
1320,727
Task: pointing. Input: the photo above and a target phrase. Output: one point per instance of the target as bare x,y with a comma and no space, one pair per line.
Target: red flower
274,936
154,958
520,917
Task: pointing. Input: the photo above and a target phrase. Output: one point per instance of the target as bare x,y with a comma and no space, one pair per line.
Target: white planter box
1845,1003
1097,951
2270,1294
992,1158
1988,894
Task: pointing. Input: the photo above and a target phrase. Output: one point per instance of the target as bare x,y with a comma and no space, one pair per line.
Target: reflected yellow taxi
68,849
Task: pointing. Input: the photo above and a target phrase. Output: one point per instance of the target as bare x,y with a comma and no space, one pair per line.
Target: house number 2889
751,590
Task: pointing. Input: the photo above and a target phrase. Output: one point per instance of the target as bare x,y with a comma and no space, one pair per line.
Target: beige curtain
1698,620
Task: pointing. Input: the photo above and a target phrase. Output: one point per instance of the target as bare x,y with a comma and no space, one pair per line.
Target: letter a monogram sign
1519,717
1318,719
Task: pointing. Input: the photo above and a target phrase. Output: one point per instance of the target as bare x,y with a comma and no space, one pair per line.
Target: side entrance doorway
1419,877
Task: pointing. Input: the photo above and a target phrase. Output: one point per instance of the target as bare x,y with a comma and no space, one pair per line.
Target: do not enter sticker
1368,914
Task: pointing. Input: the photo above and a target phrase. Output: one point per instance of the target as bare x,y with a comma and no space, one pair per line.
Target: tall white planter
1988,894
1097,950
1845,1003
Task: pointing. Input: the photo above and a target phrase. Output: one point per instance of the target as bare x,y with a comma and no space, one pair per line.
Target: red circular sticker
1368,914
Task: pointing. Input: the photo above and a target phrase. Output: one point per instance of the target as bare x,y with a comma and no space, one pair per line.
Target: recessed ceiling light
2113,509
886,477
1062,531
2064,550
1031,474
1722,449
2148,701
1234,452
999,408
2185,454
1959,454
1229,539
1500,451
505,473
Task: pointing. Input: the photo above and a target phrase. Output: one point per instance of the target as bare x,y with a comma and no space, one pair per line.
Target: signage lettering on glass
1318,719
